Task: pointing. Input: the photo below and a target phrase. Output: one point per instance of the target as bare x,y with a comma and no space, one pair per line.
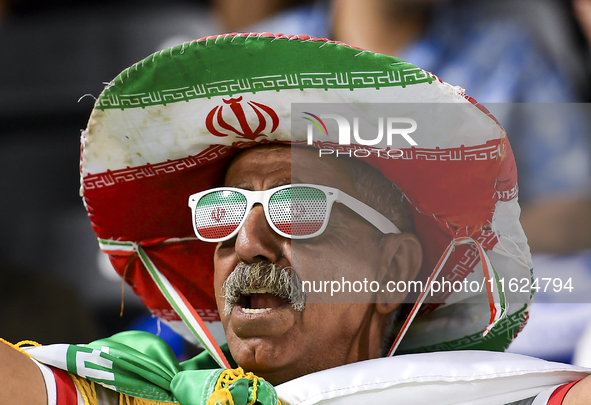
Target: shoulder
465,376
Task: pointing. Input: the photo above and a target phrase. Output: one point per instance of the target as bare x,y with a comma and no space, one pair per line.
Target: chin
277,365
276,376
264,360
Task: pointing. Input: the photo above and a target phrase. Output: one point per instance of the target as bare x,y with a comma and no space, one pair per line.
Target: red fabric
156,207
187,265
559,393
66,390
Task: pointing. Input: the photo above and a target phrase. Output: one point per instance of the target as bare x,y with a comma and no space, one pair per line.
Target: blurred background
57,55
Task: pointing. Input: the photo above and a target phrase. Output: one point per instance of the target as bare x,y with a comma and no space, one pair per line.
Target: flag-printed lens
218,214
298,211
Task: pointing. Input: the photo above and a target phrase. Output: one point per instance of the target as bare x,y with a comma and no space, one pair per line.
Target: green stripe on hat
229,65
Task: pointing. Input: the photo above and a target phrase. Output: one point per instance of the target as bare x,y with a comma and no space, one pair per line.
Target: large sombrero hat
167,127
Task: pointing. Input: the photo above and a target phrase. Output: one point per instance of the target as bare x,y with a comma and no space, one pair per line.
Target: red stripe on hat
66,390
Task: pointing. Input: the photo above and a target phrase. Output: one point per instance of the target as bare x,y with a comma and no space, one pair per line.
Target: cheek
332,280
332,258
334,325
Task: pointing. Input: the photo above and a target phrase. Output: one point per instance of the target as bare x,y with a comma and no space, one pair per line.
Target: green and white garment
141,365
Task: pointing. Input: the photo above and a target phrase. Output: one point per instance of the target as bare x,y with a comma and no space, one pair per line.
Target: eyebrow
276,183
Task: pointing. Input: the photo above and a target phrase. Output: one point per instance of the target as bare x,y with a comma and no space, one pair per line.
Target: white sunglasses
295,211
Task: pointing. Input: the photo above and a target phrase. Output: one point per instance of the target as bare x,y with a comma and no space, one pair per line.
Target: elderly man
281,343
281,198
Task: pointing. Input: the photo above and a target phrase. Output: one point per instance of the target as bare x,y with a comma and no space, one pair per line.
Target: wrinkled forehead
269,166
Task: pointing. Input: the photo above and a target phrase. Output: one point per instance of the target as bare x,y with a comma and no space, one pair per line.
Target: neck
382,26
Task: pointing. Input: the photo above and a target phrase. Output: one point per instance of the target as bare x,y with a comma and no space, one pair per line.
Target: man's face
281,344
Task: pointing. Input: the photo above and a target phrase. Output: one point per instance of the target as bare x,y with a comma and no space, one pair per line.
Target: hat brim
152,141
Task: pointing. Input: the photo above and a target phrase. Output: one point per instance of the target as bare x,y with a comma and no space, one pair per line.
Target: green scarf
140,364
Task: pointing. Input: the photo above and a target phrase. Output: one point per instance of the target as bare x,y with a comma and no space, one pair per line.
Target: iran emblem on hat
219,125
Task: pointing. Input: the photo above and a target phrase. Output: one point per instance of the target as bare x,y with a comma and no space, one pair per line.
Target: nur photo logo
389,126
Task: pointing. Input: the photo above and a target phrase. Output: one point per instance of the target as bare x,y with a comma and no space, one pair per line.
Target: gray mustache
267,277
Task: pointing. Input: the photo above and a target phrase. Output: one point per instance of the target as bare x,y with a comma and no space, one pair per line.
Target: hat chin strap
496,296
174,297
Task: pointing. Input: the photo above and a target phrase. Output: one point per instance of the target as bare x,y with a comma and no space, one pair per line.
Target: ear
400,261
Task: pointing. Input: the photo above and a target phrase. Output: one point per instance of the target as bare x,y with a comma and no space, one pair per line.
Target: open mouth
260,301
261,288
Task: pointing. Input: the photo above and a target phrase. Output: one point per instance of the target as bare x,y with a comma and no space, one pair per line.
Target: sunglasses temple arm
383,224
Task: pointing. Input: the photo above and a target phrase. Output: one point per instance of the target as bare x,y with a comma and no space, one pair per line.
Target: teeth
255,310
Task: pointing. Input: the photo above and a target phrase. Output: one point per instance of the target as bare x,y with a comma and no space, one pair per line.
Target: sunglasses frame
263,197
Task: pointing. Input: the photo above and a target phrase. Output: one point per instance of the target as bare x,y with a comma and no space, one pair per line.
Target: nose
256,241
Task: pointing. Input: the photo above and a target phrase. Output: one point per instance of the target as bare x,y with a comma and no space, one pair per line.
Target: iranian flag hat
167,127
